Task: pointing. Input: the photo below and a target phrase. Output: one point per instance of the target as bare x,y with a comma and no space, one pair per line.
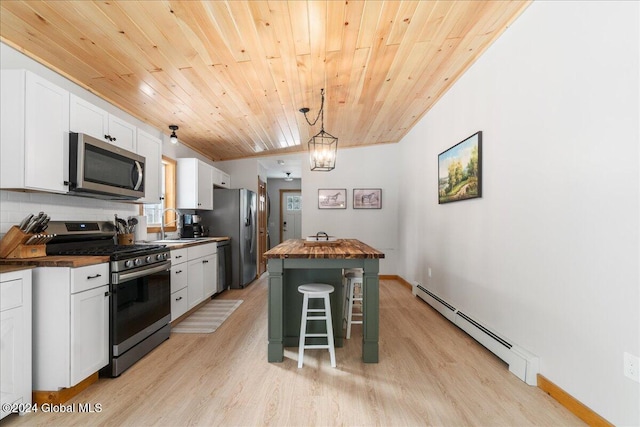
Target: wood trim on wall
572,404
169,197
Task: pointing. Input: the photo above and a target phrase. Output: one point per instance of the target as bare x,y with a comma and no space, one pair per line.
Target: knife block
12,245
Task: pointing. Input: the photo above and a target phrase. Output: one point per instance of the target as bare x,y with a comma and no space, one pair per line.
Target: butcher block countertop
11,268
56,261
345,249
83,261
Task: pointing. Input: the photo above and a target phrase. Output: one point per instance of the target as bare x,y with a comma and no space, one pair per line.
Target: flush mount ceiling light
322,146
281,162
288,178
173,138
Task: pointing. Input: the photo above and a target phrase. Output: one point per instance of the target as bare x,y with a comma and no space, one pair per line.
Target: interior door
262,226
290,215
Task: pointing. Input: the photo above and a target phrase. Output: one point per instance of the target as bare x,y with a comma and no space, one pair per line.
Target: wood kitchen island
293,263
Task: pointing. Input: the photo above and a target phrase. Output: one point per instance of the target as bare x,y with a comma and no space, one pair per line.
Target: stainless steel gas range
140,288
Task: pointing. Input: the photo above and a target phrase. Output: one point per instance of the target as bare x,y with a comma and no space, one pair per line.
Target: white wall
549,256
243,172
367,167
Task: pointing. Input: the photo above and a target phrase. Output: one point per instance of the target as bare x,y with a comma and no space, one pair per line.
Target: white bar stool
316,291
353,298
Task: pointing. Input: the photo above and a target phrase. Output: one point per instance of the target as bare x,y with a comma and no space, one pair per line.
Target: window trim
169,200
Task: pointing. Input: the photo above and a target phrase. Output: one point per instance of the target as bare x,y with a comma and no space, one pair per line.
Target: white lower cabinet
196,283
90,327
179,304
203,272
15,341
70,324
179,273
194,276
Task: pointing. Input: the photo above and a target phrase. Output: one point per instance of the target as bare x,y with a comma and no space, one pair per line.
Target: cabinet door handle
106,294
178,256
178,299
204,261
179,271
94,277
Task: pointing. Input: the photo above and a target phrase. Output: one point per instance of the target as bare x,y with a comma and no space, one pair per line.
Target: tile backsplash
15,205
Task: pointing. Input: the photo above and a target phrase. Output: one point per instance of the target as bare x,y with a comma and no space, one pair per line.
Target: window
168,200
294,203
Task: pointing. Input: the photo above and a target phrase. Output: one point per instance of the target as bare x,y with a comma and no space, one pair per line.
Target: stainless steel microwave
99,169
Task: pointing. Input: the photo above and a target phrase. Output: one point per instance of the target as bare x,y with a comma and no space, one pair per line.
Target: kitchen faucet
162,223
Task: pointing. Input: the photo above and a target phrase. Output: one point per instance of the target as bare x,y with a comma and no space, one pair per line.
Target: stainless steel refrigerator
234,215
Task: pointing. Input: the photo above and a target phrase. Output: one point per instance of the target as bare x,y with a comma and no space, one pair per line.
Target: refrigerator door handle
252,231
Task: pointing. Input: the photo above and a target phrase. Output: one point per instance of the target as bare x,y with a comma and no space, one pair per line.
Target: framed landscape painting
460,170
367,198
332,198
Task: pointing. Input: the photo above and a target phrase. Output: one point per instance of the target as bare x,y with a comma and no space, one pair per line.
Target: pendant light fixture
323,147
288,177
173,138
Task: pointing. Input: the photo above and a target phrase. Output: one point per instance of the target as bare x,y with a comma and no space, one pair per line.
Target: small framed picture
332,198
367,198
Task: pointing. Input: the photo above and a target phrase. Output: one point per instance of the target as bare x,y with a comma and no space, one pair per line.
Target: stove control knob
137,262
127,263
164,255
159,257
148,259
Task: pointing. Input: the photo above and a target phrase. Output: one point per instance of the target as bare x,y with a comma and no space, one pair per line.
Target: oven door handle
124,277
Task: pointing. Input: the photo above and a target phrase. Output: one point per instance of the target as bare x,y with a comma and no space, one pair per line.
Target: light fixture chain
320,113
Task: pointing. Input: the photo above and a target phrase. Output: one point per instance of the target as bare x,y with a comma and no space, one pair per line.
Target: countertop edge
180,245
56,261
348,249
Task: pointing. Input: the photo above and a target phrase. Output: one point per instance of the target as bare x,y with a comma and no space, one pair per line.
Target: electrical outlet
632,366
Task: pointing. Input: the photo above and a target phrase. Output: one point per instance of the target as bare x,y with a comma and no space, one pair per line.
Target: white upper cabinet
195,184
221,179
93,120
151,148
123,134
33,138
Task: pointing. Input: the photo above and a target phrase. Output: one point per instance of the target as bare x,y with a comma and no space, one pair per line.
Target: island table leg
371,311
275,351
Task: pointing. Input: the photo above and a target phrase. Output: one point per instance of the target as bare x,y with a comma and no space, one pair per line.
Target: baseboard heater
521,363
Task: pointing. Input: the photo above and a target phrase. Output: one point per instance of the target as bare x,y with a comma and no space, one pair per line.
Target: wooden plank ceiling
234,74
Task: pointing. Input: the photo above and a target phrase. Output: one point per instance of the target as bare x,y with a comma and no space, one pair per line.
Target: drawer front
178,277
178,256
89,277
200,251
10,294
178,303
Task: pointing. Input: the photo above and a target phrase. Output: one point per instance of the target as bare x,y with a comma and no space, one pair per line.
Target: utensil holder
12,245
125,239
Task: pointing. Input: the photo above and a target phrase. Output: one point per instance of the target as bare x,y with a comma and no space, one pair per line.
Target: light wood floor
430,373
